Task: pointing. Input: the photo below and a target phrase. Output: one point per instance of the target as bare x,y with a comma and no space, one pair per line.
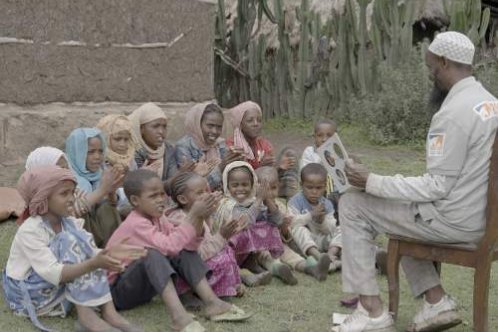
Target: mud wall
112,50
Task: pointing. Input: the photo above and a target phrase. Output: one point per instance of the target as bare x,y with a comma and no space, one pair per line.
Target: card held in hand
334,157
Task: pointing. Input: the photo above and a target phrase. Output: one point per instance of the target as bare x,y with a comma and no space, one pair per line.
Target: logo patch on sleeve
487,110
436,145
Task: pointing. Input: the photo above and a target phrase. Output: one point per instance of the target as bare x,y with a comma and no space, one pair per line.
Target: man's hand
357,174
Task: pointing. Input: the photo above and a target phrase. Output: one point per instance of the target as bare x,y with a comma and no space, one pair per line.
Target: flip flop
78,327
235,314
194,326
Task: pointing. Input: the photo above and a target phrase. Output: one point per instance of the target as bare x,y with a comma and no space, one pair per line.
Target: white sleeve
425,188
309,156
40,256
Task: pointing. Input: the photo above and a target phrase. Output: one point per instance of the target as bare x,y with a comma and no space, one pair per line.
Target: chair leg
437,266
393,259
481,291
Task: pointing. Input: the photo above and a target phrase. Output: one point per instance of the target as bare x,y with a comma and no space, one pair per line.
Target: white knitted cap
454,46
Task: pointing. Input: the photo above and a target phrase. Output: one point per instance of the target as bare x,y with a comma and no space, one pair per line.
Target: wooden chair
479,257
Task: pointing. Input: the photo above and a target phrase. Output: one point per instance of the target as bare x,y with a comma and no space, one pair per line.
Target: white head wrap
44,156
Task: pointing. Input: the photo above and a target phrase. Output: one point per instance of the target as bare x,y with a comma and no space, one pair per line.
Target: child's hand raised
318,213
233,227
260,190
232,154
186,165
124,251
105,261
268,160
287,162
204,168
263,191
107,180
118,174
204,206
285,226
151,166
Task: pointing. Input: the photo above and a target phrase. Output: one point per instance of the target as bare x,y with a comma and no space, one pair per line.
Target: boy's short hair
312,169
324,121
266,172
134,180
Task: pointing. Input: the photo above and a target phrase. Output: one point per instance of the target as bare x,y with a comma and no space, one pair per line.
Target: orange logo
487,110
436,144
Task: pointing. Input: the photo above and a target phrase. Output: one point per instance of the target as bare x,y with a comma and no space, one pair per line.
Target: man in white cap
445,205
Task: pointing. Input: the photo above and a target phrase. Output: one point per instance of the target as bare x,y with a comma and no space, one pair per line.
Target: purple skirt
259,236
225,277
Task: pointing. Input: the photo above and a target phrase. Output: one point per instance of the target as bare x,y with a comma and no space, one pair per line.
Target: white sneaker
359,321
436,317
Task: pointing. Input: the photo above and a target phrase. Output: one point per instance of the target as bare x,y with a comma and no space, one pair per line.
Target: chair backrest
490,238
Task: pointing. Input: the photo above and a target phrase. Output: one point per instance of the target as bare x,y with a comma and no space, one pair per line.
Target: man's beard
437,96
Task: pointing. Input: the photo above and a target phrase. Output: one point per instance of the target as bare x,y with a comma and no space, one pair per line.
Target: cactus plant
332,61
467,16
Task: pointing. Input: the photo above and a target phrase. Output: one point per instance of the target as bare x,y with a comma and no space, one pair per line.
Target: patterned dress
34,296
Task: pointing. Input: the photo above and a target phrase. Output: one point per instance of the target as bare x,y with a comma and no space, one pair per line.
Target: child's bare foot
321,269
89,321
111,316
216,307
191,302
284,273
251,263
241,290
179,323
255,280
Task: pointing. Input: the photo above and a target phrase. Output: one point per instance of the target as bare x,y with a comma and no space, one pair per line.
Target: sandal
194,326
78,327
235,314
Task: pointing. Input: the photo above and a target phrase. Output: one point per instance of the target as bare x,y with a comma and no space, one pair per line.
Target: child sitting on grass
245,198
85,150
172,253
214,249
310,266
323,130
314,227
53,261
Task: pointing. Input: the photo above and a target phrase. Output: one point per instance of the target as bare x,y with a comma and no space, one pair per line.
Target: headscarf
146,113
36,185
44,156
77,150
237,164
239,139
225,209
193,128
111,125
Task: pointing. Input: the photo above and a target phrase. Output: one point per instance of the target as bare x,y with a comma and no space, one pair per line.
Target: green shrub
487,74
400,111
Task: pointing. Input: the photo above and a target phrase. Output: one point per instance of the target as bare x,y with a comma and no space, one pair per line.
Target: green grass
309,305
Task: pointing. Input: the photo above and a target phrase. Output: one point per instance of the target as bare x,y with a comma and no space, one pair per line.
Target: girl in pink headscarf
202,143
247,121
53,261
